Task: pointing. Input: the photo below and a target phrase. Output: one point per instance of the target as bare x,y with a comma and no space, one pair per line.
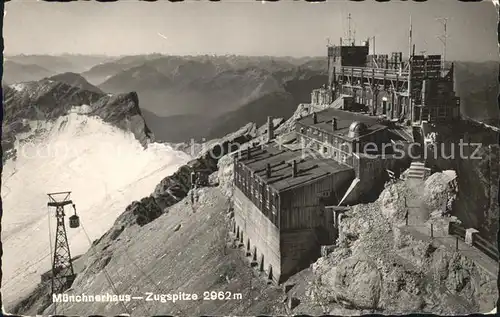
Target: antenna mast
444,36
410,87
349,26
410,40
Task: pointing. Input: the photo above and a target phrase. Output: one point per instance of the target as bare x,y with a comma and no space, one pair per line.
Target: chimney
334,124
315,118
270,129
294,168
268,170
249,155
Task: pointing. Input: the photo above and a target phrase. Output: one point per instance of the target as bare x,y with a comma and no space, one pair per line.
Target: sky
245,27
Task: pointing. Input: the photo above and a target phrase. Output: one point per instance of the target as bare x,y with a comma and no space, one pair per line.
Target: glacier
104,167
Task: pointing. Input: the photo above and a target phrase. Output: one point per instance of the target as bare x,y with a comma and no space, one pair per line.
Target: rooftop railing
374,72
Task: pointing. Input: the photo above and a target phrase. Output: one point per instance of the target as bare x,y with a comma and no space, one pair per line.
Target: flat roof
400,134
309,168
344,120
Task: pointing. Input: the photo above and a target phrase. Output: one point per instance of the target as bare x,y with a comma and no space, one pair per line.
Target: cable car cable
52,260
151,280
108,277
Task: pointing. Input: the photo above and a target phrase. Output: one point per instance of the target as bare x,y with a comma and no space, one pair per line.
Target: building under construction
289,195
418,89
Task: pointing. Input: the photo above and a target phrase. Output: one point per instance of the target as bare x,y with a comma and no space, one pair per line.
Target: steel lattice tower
62,267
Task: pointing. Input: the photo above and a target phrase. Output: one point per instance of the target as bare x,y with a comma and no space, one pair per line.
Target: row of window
338,143
327,139
321,136
339,154
257,191
439,112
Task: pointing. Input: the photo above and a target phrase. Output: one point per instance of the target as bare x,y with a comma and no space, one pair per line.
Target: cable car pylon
63,274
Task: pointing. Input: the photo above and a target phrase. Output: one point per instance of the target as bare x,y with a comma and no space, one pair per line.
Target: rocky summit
47,99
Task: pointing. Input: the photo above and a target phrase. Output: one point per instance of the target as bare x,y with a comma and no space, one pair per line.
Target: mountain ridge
48,99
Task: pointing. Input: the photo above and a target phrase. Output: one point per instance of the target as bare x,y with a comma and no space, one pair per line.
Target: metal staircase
339,102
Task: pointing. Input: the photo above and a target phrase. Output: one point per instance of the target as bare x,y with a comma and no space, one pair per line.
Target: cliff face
123,111
47,100
478,164
380,266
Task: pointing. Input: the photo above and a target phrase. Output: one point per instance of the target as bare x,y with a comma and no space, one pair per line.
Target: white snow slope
104,167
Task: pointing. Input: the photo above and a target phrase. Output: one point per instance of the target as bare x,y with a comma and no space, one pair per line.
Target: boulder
440,192
355,282
392,203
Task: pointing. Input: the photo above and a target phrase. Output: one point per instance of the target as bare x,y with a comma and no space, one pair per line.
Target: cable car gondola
74,221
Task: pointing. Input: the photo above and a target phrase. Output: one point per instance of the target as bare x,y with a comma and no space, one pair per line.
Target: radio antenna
443,37
349,28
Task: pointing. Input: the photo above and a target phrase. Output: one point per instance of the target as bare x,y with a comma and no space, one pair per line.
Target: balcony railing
378,73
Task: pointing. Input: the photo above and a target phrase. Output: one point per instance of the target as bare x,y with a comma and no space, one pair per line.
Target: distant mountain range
208,96
172,85
184,97
61,63
15,73
22,68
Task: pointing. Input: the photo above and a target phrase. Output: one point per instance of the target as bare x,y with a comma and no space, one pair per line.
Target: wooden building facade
337,134
280,200
394,88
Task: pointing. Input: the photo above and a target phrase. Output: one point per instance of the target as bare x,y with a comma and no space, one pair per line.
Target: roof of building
400,134
358,127
344,120
309,168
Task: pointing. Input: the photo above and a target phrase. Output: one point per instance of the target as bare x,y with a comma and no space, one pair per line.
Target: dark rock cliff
123,111
47,100
477,168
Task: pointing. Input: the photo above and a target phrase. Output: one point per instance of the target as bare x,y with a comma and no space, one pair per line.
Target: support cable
158,289
52,259
108,277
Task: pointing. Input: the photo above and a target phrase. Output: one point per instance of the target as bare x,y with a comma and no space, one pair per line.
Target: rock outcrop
378,268
123,111
435,199
46,100
440,193
355,282
477,168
